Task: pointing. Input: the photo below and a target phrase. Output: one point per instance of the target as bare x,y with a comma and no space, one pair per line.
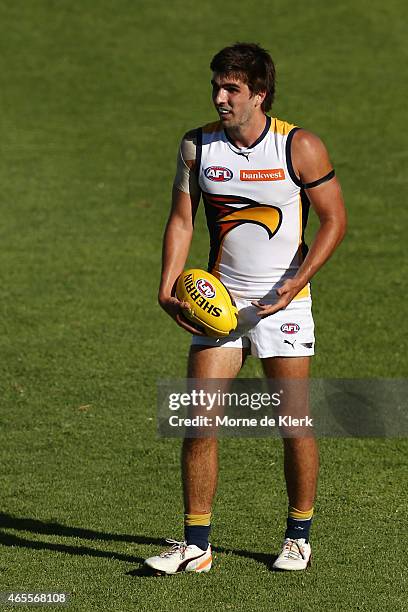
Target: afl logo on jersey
290,328
218,174
205,288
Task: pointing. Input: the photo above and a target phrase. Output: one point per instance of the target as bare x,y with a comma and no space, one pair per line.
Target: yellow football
212,307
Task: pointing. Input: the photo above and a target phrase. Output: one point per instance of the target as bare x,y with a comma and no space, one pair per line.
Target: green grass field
88,90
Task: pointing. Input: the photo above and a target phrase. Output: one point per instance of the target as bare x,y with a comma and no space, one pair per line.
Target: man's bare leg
301,457
200,455
301,462
199,466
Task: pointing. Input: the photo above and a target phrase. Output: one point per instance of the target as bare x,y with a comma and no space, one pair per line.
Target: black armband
319,181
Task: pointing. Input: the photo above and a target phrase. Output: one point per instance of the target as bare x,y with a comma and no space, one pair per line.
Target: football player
257,176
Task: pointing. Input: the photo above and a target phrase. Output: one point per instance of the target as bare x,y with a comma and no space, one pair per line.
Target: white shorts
287,333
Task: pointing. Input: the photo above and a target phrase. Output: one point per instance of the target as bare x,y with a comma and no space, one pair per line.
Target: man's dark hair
252,65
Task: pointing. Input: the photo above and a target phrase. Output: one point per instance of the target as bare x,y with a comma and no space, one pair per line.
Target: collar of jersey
243,150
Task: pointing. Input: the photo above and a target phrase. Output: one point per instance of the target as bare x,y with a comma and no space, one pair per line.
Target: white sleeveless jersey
255,207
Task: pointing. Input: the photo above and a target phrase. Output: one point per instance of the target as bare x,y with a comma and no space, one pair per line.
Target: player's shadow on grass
7,539
35,526
8,521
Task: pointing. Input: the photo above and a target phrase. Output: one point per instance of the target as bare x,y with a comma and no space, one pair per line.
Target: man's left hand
286,293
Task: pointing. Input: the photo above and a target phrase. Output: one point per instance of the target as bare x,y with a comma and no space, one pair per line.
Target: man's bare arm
311,162
176,244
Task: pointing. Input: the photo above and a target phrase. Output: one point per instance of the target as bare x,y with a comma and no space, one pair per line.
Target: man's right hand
174,309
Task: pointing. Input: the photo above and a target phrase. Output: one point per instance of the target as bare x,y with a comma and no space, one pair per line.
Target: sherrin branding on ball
211,305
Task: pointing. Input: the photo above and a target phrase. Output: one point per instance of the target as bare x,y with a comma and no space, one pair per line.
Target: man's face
233,100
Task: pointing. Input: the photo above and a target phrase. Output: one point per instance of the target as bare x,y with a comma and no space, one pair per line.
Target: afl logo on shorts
290,328
205,288
218,174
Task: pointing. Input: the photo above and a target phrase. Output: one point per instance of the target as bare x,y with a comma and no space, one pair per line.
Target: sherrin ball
212,307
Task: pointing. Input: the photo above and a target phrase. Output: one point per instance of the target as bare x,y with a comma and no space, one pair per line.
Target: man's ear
261,95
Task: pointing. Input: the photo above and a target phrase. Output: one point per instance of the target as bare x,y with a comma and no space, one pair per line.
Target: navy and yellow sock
298,523
197,529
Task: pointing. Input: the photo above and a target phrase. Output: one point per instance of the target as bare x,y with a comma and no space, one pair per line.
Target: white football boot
295,555
181,558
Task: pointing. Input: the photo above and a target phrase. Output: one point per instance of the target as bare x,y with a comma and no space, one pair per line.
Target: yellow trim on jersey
303,293
281,127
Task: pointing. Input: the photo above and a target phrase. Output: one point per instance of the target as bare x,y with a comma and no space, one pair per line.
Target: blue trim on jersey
199,148
305,215
289,164
258,140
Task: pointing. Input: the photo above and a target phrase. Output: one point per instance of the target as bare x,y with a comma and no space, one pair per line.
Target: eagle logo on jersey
222,217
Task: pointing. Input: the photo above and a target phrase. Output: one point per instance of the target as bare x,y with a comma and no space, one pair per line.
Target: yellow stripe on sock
191,520
300,515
